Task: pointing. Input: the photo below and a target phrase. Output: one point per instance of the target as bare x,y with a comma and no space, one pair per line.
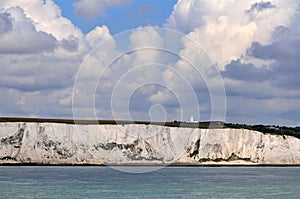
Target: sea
168,182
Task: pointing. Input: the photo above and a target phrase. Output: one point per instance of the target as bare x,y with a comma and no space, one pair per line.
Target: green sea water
169,182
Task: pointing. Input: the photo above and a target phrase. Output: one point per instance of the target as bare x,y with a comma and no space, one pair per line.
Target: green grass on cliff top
266,129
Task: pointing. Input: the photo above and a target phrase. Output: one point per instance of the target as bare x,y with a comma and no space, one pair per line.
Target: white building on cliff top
192,120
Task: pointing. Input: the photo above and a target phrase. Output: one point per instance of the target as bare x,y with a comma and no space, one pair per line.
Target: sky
135,13
231,60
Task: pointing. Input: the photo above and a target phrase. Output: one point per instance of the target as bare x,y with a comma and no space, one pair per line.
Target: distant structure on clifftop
192,120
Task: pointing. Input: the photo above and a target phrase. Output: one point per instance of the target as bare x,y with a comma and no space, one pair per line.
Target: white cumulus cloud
226,29
40,53
254,43
19,35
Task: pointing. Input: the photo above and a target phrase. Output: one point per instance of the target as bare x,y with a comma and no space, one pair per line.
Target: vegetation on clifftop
266,129
270,129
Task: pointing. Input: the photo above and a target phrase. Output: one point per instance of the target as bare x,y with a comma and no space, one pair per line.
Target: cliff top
269,129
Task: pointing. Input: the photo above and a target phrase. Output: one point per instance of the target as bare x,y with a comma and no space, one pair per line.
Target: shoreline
145,165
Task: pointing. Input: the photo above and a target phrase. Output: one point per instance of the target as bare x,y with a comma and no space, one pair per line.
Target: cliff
57,143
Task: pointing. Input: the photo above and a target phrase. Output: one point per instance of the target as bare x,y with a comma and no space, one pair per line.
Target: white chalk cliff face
53,143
